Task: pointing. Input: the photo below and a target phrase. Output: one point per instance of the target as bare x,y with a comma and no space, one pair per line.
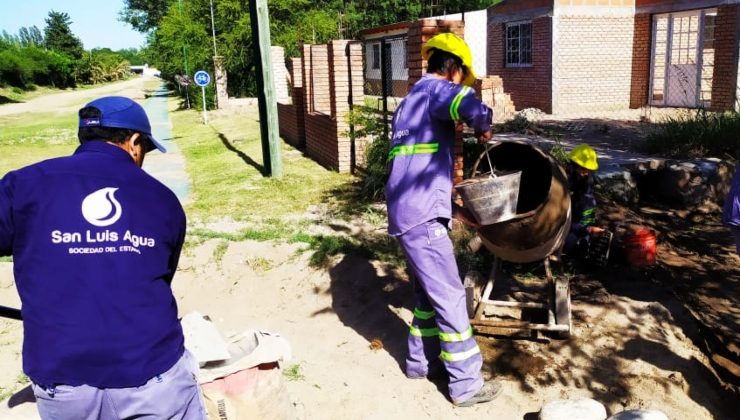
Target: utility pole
213,31
185,60
260,23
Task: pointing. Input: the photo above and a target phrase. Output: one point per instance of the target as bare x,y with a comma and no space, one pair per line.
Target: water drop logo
101,207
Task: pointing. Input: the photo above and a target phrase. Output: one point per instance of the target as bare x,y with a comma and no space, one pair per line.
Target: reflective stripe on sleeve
424,314
452,337
413,149
423,332
456,357
455,105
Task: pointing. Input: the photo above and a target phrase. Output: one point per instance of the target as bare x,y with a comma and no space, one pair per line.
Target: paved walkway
168,167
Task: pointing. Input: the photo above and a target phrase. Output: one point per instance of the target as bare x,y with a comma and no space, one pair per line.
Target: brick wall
332,78
726,60
291,114
592,62
288,123
529,87
641,52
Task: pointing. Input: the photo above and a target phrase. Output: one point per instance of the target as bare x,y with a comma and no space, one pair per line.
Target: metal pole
213,31
205,112
384,85
260,23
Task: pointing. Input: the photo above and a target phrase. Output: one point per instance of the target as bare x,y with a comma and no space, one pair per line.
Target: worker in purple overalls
419,198
731,214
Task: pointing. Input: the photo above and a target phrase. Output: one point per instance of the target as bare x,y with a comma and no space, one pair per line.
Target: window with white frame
519,44
376,56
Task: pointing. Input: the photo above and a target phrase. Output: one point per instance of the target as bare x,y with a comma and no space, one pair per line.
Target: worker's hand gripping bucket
491,198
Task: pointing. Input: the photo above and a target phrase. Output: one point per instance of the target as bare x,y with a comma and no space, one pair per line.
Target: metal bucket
542,219
490,198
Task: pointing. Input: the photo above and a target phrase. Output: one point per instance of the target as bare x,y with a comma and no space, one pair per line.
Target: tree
59,36
31,36
144,15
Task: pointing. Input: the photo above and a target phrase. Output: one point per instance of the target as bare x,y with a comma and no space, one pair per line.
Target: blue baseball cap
122,112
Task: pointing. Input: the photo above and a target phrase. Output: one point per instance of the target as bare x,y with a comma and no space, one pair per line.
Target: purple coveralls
418,194
731,215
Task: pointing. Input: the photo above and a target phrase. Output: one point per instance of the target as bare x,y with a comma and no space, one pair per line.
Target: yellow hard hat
585,156
453,45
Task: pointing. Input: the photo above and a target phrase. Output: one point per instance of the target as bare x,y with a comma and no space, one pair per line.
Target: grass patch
259,264
293,373
224,161
703,134
32,137
219,252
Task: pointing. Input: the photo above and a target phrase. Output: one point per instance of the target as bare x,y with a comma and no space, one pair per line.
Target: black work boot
489,392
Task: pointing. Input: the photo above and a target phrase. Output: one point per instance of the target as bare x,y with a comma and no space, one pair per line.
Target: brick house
593,55
392,40
686,54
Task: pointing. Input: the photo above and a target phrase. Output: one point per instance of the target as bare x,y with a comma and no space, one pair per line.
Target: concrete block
639,415
578,409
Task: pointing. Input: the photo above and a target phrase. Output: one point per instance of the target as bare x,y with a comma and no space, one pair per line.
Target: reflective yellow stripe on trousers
423,332
456,357
413,149
456,337
423,315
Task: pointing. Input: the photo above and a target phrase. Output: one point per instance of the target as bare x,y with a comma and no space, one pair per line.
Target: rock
578,409
619,184
693,183
639,415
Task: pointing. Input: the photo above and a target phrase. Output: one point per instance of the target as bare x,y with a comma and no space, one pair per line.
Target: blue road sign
202,78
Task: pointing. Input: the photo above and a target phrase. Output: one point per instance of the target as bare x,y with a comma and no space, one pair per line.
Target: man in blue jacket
419,199
95,242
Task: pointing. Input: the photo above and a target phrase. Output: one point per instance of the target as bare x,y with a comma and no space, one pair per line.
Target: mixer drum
542,219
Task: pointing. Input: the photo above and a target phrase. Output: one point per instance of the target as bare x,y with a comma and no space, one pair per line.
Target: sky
95,22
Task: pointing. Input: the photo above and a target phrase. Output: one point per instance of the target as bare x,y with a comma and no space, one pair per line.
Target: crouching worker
419,199
583,163
95,242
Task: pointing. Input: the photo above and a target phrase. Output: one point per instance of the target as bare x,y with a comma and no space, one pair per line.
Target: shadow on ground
6,100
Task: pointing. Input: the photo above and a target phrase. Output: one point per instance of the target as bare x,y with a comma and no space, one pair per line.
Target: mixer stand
557,306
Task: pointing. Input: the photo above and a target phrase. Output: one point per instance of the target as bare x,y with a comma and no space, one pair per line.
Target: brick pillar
297,95
641,51
306,76
420,32
280,73
724,84
222,95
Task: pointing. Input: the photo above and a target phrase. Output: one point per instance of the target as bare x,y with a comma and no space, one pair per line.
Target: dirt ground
641,339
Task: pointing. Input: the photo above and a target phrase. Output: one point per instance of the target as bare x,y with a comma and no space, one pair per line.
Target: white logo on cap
101,207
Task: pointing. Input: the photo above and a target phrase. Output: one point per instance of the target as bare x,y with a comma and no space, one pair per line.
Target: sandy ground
62,101
627,351
633,344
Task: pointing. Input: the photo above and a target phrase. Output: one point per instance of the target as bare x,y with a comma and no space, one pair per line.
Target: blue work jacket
95,242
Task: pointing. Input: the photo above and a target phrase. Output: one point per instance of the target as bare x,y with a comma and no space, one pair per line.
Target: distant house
395,37
389,40
577,55
145,70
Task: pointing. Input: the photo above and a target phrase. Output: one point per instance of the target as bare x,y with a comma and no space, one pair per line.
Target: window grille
519,44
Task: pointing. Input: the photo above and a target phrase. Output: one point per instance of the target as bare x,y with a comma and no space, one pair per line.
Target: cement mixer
533,231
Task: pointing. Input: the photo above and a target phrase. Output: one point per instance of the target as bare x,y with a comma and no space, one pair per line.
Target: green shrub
704,134
368,126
